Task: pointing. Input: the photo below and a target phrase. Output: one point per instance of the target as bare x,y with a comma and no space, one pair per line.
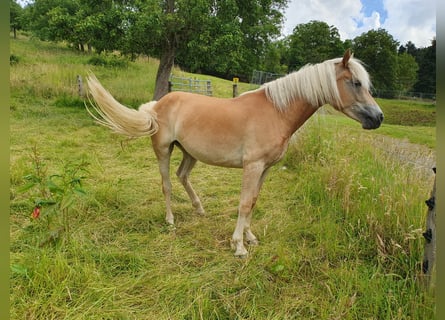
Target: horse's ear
348,55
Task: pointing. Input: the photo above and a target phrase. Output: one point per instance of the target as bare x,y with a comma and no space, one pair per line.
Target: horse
251,131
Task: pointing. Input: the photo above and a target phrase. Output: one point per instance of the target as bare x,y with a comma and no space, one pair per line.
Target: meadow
339,219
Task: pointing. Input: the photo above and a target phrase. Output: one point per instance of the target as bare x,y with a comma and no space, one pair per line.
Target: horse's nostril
381,117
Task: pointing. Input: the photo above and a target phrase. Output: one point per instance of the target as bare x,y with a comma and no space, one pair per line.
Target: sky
405,20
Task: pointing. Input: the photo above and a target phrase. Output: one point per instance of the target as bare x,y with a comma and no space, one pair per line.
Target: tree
15,14
99,23
162,27
378,50
235,37
406,72
313,42
220,37
276,57
426,77
51,19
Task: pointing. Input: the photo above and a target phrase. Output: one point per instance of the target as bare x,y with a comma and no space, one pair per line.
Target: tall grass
339,220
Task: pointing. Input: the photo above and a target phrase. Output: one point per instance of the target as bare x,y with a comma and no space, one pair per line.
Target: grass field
339,220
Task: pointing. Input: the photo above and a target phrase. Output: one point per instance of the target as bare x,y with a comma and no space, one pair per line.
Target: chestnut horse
251,131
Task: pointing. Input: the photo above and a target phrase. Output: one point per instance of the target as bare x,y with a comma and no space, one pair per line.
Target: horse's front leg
253,177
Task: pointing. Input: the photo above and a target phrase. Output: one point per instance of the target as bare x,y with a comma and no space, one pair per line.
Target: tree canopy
314,42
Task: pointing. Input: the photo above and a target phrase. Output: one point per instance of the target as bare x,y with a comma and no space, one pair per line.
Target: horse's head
354,90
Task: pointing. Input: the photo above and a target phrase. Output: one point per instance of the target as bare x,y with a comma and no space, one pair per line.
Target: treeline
225,38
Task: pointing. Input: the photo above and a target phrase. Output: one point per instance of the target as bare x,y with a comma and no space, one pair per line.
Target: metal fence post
429,258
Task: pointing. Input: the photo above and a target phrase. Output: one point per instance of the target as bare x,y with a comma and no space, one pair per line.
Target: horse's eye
356,83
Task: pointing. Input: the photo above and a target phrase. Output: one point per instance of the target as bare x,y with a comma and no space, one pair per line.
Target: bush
108,61
13,59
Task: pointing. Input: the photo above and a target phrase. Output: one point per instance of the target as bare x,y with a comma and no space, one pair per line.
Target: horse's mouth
371,121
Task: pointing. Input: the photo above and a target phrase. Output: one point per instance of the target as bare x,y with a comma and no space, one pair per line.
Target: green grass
409,112
339,220
424,135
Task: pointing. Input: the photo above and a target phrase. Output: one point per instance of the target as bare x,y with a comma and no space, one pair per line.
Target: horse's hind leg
163,155
187,164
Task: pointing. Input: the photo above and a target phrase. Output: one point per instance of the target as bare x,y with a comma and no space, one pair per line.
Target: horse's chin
370,119
372,126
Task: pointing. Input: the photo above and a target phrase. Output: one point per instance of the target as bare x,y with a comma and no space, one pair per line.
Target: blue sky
370,6
405,20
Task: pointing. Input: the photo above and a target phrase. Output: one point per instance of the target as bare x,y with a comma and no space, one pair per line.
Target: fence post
209,88
80,86
429,258
235,87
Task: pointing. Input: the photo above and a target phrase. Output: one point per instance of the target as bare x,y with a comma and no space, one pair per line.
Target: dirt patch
418,156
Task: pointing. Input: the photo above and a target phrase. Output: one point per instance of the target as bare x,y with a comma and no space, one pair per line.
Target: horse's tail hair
121,119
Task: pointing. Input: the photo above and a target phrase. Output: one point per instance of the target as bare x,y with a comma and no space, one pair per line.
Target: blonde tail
119,118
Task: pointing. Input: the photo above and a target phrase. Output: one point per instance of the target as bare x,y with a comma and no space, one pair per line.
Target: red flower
36,212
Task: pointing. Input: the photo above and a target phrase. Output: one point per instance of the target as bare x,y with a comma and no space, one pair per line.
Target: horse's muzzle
371,120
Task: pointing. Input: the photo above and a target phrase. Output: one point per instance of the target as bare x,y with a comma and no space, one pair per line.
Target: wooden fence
190,85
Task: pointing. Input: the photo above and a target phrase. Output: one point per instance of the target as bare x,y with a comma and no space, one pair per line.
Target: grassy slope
339,221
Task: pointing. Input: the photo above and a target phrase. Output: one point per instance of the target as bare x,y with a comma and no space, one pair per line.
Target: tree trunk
165,67
167,58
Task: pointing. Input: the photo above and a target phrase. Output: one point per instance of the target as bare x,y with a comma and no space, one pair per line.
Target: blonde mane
315,84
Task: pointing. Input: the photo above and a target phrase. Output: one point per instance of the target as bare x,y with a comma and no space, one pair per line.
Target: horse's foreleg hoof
241,256
241,253
240,250
200,211
170,220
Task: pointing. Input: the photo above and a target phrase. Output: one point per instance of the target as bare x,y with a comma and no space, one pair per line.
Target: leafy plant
54,195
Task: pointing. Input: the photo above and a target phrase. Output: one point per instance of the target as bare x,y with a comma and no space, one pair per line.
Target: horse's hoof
200,211
241,253
253,242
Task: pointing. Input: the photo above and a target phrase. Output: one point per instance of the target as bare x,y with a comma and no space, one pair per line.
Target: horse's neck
291,118
297,114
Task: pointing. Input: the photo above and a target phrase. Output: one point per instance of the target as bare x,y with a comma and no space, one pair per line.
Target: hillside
339,219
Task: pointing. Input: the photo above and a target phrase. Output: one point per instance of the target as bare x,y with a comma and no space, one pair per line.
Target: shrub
13,59
108,61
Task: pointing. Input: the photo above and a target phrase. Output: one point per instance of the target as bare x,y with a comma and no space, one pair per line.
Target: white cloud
411,20
340,14
407,20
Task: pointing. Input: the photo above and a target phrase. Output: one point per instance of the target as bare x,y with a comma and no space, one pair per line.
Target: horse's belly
216,154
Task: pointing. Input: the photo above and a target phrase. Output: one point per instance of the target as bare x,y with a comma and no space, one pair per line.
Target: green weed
53,196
